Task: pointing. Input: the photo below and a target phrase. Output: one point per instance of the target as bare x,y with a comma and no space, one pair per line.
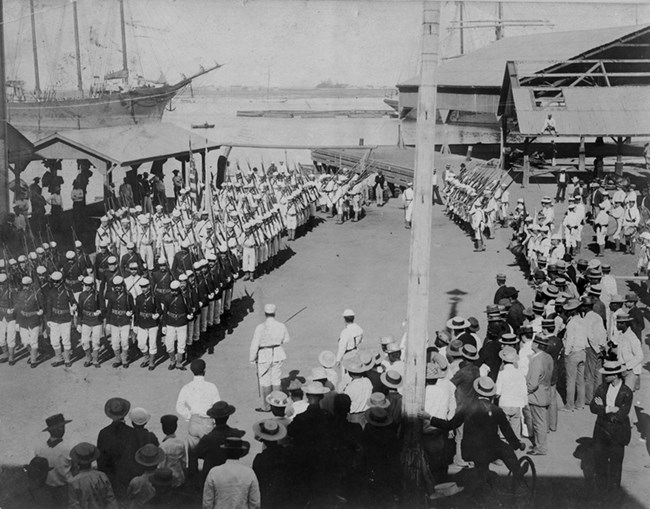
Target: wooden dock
316,113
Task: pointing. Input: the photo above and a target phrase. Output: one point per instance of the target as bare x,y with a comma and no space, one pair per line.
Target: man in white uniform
351,336
407,198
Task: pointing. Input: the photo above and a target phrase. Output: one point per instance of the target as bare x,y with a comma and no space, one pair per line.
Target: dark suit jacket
538,379
615,427
375,380
117,444
498,295
489,355
638,322
209,447
554,349
464,382
482,420
516,316
273,474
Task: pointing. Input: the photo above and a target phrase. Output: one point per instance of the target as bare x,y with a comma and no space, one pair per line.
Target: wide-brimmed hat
457,323
446,489
84,453
623,318
139,416
379,400
294,385
220,410
391,379
538,307
278,398
443,336
572,304
611,368
162,477
270,430
510,292
355,364
485,386
508,339
509,354
318,373
56,421
149,455
631,297
541,340
378,417
469,352
315,388
236,444
327,359
548,322
117,408
473,324
436,367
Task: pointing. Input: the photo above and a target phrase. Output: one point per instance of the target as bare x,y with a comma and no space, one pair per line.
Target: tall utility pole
461,19
125,61
417,310
80,86
37,78
4,157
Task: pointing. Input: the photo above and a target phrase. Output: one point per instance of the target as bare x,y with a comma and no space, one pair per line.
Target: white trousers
149,336
120,337
91,334
176,336
8,333
60,335
146,251
269,373
29,337
248,259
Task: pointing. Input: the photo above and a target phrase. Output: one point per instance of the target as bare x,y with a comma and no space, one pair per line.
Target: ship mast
5,206
76,46
125,64
37,78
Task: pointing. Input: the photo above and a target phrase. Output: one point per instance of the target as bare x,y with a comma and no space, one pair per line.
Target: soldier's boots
3,357
58,358
66,358
95,357
125,358
10,351
118,361
179,362
172,361
145,360
33,356
152,362
618,245
88,361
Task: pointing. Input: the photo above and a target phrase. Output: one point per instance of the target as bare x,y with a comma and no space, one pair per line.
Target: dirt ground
362,266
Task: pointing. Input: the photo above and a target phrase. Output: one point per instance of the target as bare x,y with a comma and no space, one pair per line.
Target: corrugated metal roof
484,67
590,111
126,145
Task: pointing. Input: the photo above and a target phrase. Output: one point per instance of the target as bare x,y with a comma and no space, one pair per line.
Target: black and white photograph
324,254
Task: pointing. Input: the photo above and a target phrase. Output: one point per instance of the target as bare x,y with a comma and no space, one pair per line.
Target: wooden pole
80,86
418,289
125,60
4,157
37,79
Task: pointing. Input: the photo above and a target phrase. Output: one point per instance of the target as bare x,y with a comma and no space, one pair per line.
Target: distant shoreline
291,93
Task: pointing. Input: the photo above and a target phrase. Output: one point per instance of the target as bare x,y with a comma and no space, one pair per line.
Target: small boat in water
204,125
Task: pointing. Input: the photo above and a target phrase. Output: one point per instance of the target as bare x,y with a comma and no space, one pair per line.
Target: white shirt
197,397
440,400
349,340
525,353
511,387
612,393
359,390
231,486
268,340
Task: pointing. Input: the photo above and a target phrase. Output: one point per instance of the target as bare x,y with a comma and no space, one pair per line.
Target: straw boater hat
270,430
469,352
56,421
485,386
315,388
508,339
149,455
446,489
278,399
457,323
611,368
391,379
379,400
139,416
455,347
117,408
437,367
327,359
378,417
509,354
357,364
540,340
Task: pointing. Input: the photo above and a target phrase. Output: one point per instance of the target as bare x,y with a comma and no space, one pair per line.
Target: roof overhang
123,145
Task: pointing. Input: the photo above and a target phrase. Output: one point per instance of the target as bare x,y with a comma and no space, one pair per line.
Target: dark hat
378,417
540,340
56,421
551,291
473,324
162,476
84,453
37,469
485,386
525,329
236,444
539,274
169,419
220,410
469,352
508,339
510,292
538,307
548,322
175,172
631,297
582,262
117,408
149,455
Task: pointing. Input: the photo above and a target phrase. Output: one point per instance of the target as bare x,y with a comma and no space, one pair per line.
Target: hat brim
119,415
380,424
482,392
86,461
469,357
150,462
617,371
228,412
392,385
58,425
508,358
452,326
257,430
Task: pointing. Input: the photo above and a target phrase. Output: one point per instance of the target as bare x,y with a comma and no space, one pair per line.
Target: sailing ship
112,101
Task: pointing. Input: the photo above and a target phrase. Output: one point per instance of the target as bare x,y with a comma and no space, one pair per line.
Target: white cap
32,255
162,261
232,243
27,280
22,258
175,285
185,243
197,265
69,255
3,277
348,312
56,276
118,280
269,309
53,244
211,257
77,243
40,250
112,260
88,280
2,262
103,243
130,245
144,282
189,273
182,277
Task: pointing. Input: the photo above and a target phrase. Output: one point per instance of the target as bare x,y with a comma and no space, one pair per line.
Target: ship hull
129,108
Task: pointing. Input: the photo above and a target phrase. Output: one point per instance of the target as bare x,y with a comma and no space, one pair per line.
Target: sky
286,43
